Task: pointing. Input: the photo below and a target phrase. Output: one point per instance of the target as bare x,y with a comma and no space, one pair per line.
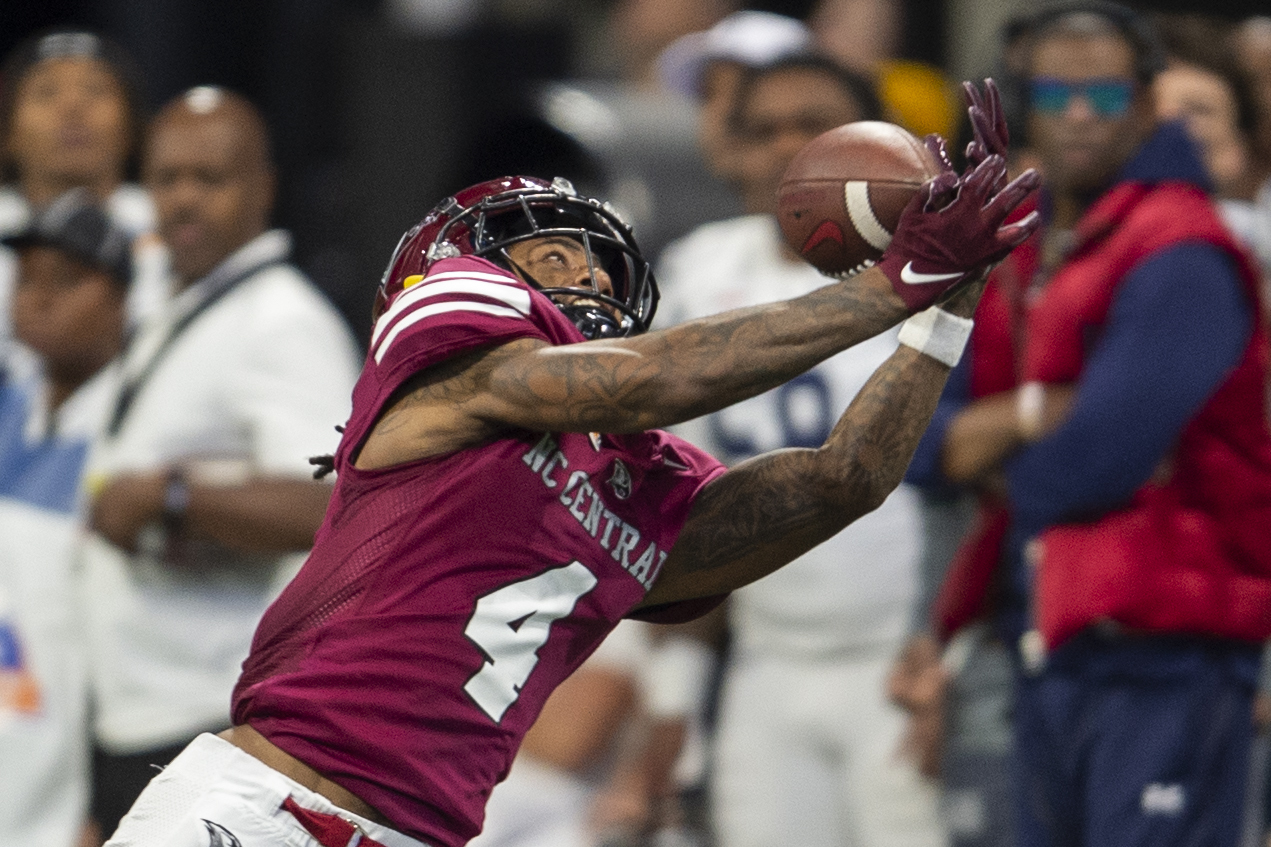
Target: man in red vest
1110,413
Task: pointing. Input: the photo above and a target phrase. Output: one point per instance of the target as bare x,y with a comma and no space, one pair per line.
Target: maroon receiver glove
988,122
953,230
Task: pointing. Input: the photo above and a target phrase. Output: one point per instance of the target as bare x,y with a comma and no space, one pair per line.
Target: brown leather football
843,193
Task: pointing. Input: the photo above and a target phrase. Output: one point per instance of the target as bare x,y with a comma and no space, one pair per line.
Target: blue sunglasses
1108,98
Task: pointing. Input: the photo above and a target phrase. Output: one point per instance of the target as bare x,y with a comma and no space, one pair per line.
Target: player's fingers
1015,234
994,97
983,179
988,122
940,149
978,123
986,117
971,95
941,191
1005,200
986,134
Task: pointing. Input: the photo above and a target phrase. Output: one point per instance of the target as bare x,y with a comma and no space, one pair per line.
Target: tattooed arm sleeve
669,376
768,511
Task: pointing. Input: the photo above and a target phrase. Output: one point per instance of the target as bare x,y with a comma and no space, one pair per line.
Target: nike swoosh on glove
954,229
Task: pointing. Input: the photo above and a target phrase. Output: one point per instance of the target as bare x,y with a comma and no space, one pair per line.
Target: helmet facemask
497,222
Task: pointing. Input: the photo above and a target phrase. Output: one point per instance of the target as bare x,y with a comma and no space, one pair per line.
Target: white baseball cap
748,38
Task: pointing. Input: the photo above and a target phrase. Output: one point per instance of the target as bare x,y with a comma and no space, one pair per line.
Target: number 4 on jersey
511,623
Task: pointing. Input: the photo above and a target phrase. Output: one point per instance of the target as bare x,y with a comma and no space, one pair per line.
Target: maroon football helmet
484,219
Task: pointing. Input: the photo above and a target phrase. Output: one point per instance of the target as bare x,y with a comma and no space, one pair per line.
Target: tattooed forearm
689,370
772,509
625,385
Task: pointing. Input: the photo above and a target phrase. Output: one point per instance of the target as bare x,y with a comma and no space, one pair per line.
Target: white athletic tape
936,333
861,213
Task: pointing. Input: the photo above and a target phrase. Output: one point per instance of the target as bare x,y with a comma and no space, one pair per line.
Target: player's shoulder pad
461,289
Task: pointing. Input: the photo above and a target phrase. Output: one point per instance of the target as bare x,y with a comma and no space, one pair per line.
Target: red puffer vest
1191,552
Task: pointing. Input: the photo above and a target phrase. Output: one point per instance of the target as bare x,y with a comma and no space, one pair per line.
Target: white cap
748,38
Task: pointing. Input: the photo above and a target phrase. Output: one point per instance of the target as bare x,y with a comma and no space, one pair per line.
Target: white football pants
807,753
214,793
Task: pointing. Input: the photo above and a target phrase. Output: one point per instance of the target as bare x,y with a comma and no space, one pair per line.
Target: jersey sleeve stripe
455,282
440,308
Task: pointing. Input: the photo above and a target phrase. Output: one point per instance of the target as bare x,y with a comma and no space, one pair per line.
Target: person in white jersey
806,750
70,115
202,496
68,310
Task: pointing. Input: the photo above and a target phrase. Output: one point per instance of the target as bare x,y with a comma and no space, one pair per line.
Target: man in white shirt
806,750
68,311
202,502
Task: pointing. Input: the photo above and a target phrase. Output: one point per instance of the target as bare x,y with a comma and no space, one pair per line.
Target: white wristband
1030,398
936,333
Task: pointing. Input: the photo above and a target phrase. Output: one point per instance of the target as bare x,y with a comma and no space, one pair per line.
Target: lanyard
213,287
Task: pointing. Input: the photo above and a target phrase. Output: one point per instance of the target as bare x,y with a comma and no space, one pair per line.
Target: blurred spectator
290,58
68,309
1202,85
70,117
1253,49
642,29
1115,373
958,697
859,34
779,108
806,750
874,38
200,482
708,66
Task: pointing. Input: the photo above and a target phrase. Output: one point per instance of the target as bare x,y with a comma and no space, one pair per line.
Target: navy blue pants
1134,742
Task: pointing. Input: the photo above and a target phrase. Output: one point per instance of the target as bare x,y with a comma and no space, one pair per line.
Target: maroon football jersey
446,598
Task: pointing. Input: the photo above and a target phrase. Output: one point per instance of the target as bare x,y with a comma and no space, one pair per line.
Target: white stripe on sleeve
438,308
455,282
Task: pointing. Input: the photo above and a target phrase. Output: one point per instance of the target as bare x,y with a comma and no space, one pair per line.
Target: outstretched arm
955,227
768,511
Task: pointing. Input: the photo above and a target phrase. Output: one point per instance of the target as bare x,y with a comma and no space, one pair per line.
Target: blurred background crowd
817,708
379,108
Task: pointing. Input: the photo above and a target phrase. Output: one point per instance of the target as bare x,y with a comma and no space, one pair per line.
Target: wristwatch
176,500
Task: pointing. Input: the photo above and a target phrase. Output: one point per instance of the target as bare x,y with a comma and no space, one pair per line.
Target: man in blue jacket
1109,412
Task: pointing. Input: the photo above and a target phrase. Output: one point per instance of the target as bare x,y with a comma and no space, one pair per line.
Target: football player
504,499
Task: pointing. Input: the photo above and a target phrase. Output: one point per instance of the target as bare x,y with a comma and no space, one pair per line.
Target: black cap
75,224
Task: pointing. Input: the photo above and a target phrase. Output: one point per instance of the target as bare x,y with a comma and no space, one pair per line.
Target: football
843,193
